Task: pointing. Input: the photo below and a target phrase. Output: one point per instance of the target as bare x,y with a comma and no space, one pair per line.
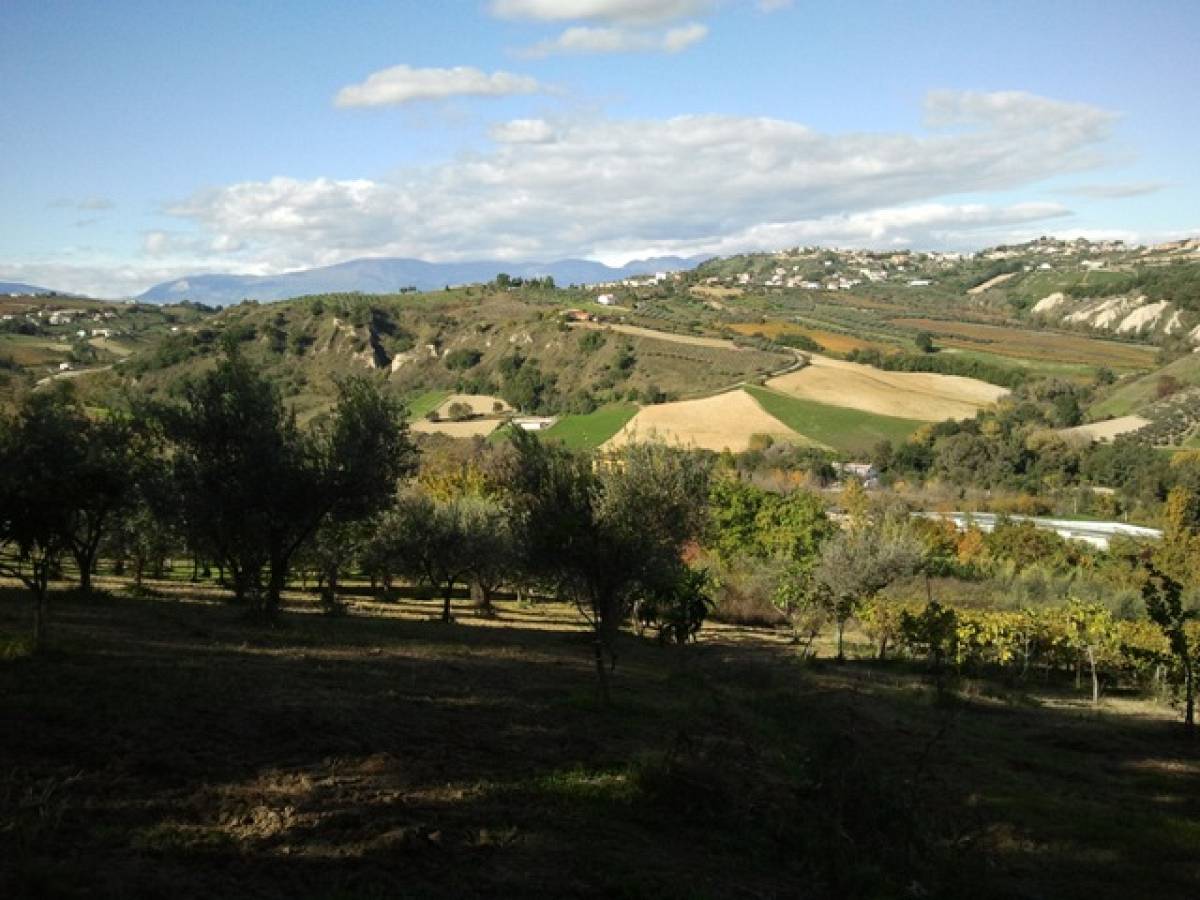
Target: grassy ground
1135,395
166,746
586,432
848,430
422,404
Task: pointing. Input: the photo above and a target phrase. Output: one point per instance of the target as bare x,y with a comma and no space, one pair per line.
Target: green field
585,432
848,430
421,405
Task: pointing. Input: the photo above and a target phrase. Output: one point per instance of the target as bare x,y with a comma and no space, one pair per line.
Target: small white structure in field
920,282
606,300
64,367
534,423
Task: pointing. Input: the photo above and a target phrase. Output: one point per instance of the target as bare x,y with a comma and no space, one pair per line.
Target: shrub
462,359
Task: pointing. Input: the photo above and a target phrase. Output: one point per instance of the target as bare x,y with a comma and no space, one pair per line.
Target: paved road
1098,534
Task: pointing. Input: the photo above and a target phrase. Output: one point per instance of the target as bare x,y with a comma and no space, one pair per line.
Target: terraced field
1022,343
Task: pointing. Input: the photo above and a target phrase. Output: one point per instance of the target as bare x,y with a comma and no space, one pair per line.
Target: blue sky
140,141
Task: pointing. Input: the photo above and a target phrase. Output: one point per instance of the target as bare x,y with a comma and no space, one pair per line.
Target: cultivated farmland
723,422
1027,343
836,427
907,395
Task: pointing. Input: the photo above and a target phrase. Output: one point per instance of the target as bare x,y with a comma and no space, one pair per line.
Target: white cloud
522,131
599,187
581,39
404,84
1114,191
634,12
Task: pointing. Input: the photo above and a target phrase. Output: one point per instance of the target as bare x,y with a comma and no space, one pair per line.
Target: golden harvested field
473,428
481,404
1022,343
725,421
1106,430
907,395
832,341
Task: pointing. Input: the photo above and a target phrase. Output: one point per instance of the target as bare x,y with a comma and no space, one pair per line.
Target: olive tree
255,487
861,561
600,529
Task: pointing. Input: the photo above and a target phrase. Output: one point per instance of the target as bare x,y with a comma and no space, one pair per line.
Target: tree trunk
841,631
883,642
271,600
1095,679
601,672
1189,694
41,615
85,559
446,603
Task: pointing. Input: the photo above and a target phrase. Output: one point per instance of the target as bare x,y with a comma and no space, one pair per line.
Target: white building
606,300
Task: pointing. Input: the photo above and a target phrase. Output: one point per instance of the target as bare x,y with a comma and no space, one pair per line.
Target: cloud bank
619,189
404,84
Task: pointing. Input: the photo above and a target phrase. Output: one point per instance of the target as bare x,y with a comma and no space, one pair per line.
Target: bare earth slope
909,395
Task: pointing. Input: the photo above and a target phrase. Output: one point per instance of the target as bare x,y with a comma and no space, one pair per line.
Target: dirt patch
725,421
1106,430
991,283
908,395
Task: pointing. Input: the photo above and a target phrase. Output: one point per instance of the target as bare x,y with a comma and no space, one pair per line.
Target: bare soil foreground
724,421
907,395
168,748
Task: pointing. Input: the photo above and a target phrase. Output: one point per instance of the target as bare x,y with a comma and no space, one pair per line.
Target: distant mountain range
380,276
19,287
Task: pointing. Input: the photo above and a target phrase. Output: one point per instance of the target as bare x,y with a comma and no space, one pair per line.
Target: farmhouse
534,423
606,300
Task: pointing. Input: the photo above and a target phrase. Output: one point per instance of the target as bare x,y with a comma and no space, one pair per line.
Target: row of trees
227,473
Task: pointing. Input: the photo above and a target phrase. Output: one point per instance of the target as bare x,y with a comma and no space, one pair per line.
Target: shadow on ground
167,747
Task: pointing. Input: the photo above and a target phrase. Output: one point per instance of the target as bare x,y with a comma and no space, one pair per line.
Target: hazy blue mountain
19,287
379,276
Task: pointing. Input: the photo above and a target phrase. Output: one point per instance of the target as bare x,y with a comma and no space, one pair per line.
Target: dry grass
908,395
1029,343
723,422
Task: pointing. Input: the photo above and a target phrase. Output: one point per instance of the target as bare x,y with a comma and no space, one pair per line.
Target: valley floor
166,746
